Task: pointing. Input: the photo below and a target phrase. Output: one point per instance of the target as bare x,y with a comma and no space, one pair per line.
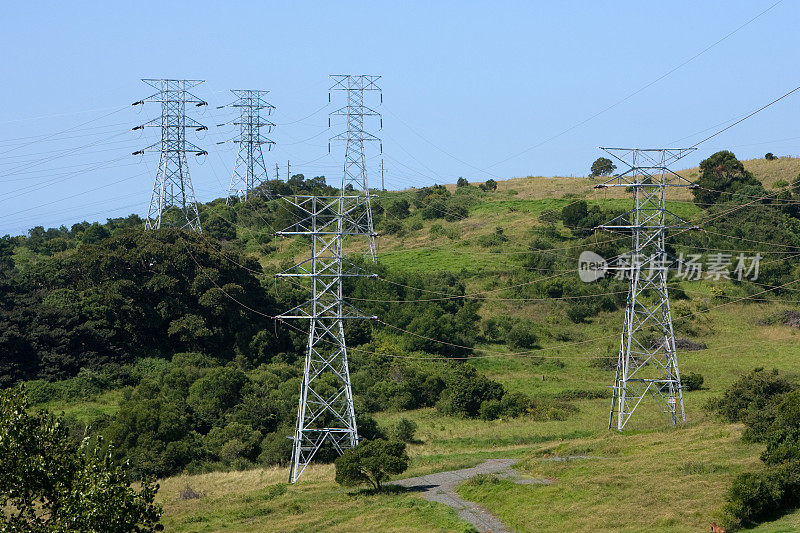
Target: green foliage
488,185
187,414
754,399
372,462
755,497
134,295
723,178
466,390
462,182
769,156
521,336
769,405
692,381
602,166
50,483
404,430
783,445
94,234
398,209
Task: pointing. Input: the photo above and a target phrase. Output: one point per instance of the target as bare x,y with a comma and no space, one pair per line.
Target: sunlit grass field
652,477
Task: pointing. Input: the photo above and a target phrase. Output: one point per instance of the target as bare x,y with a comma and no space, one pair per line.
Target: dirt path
441,487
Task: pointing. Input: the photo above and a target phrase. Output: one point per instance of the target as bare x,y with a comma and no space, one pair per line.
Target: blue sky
470,89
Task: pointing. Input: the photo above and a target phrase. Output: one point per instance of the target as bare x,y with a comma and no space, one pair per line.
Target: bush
754,498
752,392
769,156
521,336
783,445
462,182
371,462
466,391
404,430
579,312
722,178
392,227
489,185
398,210
692,381
490,410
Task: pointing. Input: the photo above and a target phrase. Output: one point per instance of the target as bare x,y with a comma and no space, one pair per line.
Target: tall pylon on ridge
325,411
647,363
354,176
249,171
173,186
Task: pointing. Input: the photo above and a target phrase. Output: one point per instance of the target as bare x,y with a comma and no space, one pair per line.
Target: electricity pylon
249,171
354,177
647,362
325,412
173,186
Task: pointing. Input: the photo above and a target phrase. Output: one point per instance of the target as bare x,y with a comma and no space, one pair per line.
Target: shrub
466,391
398,210
371,462
462,182
769,156
489,185
757,497
392,227
579,312
521,336
722,178
752,392
490,410
404,430
692,381
783,445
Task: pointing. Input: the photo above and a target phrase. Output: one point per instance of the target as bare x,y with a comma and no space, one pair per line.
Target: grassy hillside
652,476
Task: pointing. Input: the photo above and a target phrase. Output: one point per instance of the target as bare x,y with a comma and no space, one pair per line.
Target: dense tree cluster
769,406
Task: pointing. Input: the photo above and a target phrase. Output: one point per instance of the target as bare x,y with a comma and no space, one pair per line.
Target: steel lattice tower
173,186
647,362
354,177
249,171
325,414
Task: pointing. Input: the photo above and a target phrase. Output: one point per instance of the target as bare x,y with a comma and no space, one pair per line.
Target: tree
95,233
574,214
489,185
602,166
371,462
722,178
461,182
769,156
404,430
50,483
398,210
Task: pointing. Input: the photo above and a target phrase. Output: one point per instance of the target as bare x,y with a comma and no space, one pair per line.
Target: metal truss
354,177
647,362
325,412
173,186
249,171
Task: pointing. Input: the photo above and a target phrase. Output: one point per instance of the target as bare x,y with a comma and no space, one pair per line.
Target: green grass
256,500
651,477
85,411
